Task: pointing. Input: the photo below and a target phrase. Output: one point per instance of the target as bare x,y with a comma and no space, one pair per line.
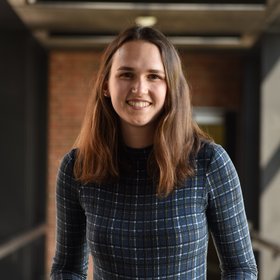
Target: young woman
144,185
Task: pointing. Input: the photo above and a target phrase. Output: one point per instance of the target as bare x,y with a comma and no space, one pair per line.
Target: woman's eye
126,75
154,77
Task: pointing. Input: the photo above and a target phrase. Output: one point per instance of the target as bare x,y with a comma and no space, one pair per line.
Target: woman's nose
140,86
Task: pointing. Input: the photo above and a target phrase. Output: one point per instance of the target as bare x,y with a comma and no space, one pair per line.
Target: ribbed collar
135,153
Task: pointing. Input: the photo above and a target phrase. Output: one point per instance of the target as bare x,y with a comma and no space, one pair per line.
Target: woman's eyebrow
154,71
125,68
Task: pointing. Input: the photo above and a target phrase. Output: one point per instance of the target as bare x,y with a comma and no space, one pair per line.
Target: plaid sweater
133,234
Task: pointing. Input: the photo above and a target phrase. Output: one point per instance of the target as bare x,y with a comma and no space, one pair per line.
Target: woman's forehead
138,53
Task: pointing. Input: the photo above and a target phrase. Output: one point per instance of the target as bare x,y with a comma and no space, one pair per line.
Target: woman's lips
138,103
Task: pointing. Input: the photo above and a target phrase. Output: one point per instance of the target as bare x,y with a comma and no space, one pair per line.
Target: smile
139,104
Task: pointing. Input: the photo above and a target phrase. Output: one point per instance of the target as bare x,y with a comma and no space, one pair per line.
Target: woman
144,184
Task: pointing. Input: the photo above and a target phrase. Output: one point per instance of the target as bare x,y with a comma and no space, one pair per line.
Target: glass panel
216,131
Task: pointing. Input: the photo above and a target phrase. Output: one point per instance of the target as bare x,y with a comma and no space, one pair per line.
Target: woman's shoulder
209,149
66,182
67,162
210,152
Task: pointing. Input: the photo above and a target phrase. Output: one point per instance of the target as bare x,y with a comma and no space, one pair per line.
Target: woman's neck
138,137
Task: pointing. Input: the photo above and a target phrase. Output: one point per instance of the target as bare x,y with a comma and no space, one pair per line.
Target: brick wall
215,81
71,75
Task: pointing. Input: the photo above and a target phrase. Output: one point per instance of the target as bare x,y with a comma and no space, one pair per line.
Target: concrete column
270,154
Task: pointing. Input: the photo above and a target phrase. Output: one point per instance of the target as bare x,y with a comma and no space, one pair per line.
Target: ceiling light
146,21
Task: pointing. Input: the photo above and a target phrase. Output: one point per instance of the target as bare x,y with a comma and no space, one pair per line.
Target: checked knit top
134,234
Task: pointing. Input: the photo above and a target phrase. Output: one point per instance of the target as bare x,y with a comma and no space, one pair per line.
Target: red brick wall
215,81
70,77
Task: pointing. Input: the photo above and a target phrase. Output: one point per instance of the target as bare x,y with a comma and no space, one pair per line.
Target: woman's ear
106,89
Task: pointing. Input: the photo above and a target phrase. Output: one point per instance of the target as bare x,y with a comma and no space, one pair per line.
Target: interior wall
270,153
22,143
248,153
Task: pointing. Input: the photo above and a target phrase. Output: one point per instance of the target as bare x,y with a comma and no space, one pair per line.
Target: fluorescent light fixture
146,20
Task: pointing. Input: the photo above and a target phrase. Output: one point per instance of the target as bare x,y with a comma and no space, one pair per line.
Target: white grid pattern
133,234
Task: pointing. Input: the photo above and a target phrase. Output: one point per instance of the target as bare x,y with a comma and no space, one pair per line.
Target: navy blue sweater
133,234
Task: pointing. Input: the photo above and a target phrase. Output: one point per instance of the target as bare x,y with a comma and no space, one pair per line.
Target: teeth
140,104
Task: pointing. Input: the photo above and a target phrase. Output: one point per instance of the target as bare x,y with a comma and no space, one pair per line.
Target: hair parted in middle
177,138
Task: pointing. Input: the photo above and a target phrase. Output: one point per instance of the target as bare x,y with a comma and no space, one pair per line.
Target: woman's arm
71,257
227,219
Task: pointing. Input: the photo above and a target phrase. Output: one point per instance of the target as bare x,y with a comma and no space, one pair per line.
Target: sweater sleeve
227,219
71,255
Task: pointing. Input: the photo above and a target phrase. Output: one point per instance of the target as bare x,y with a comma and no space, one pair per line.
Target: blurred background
49,55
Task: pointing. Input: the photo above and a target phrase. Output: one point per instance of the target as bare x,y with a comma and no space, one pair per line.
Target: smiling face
137,85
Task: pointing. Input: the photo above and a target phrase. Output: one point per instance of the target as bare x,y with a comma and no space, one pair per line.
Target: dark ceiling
196,24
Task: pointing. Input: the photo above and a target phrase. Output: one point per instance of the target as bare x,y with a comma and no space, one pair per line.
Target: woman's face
137,84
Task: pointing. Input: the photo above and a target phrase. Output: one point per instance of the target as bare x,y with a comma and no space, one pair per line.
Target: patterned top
133,234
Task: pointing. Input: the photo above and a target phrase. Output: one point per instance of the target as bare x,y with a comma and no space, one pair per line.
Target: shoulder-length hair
176,140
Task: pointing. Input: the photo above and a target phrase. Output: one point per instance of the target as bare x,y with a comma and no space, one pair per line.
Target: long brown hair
177,138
